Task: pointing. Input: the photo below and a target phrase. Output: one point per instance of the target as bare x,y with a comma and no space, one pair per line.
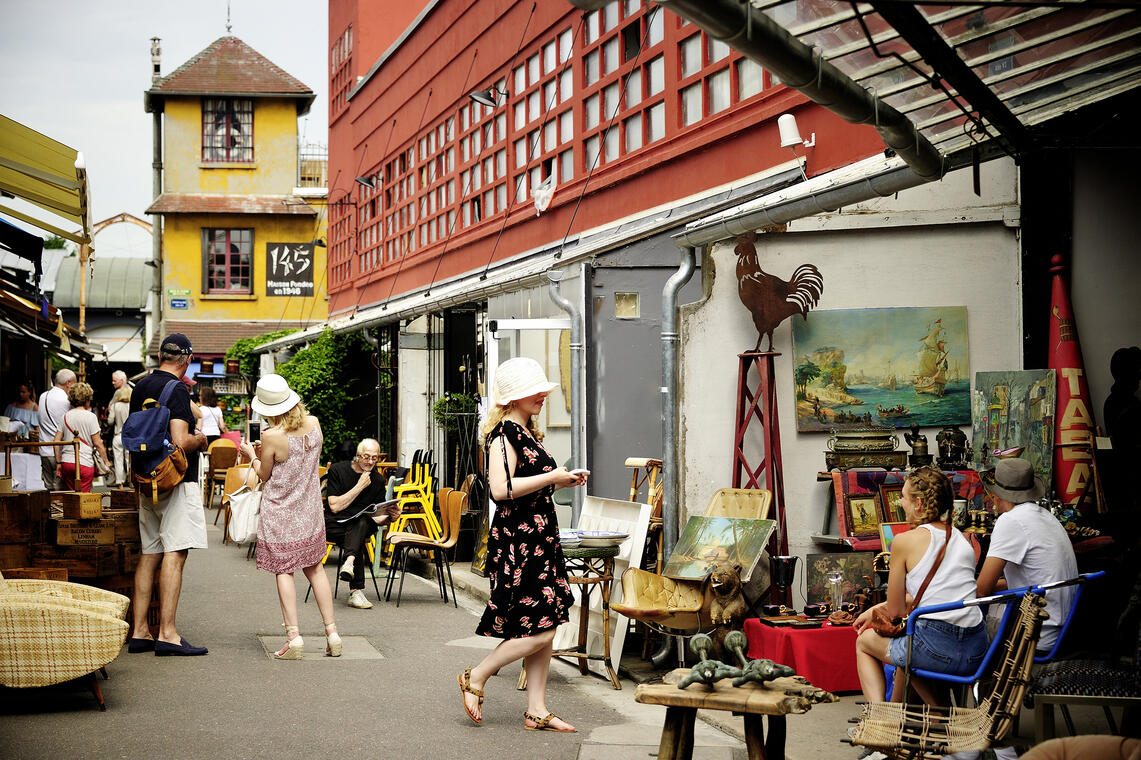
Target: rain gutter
670,351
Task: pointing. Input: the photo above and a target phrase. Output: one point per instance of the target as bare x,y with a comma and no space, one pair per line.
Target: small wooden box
126,524
82,506
36,573
129,557
124,498
18,524
85,532
79,561
14,555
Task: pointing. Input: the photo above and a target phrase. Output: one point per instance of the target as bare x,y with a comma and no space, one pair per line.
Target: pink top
291,531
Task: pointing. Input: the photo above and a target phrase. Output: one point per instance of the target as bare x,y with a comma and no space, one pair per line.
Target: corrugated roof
118,282
204,203
231,67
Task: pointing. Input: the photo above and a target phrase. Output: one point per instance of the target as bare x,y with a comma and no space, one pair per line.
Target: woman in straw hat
530,595
291,531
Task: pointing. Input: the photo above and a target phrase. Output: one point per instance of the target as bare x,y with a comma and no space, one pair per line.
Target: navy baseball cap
176,343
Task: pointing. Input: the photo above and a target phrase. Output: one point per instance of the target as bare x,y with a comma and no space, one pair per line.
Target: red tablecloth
825,656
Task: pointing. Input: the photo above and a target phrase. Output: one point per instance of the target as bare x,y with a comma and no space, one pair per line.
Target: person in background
120,410
25,410
53,405
79,422
530,593
213,426
1028,546
351,486
291,531
953,641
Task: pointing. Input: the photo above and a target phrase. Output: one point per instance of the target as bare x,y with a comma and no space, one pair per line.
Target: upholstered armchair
53,631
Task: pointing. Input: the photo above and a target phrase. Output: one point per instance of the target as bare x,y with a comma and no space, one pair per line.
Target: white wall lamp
488,97
790,137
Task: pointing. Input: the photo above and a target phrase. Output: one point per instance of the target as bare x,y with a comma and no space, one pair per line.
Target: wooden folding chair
223,455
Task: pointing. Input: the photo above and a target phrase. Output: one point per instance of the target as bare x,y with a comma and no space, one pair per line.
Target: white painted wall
937,245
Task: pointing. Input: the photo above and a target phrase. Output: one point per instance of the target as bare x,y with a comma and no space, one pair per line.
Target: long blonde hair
497,414
292,420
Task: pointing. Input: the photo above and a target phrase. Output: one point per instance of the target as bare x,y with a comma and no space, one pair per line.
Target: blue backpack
155,460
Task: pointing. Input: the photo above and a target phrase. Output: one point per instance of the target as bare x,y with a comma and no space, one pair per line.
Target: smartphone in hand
580,471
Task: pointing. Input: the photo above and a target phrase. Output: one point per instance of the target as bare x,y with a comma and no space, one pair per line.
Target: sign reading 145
289,269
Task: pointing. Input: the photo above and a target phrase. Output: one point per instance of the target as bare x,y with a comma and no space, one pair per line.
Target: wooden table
826,656
751,700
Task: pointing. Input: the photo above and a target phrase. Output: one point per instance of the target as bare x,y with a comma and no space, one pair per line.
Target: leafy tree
242,350
803,375
55,242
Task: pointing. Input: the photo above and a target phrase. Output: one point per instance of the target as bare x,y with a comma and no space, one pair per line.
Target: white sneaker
347,569
357,599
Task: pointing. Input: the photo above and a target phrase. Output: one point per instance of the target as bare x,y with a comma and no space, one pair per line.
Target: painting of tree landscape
896,367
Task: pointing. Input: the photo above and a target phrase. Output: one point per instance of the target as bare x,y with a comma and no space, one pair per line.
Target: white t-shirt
53,405
1037,550
211,416
86,425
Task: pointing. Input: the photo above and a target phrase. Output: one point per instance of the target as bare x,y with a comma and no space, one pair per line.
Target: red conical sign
1073,423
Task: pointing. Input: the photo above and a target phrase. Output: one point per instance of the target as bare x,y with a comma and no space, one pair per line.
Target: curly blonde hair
80,394
497,415
294,419
933,490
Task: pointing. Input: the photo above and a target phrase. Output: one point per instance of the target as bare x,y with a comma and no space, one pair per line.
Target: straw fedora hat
520,378
273,397
1015,481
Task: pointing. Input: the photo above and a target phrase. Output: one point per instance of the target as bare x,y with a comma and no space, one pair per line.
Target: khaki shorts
173,523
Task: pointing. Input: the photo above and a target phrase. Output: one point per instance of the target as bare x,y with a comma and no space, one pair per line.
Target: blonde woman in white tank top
953,641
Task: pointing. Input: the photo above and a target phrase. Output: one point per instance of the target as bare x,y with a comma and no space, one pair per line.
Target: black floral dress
529,589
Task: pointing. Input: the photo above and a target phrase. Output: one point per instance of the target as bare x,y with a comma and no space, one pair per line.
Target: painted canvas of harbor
895,367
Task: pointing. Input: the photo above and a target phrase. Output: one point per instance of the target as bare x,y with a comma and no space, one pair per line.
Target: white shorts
173,523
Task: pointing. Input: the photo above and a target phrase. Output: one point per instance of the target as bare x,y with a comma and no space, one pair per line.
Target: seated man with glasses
352,487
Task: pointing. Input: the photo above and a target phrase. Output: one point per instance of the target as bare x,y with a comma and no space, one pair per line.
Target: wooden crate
37,573
124,498
14,555
82,506
126,523
79,561
85,532
18,522
129,556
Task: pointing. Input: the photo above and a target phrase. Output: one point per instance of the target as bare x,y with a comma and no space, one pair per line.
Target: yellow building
241,249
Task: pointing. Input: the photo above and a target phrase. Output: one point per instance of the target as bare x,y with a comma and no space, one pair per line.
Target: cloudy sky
76,71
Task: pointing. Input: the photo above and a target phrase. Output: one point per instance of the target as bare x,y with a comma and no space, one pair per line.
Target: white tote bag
245,510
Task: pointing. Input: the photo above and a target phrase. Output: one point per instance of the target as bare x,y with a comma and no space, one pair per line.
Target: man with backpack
171,518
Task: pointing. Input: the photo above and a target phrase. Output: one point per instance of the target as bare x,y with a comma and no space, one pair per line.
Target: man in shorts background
53,405
175,523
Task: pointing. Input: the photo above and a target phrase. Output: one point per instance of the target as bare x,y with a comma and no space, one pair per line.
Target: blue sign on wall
180,303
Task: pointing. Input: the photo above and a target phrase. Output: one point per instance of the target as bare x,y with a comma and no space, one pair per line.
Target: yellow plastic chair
417,507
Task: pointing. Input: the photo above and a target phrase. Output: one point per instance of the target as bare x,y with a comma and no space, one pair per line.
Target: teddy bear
728,603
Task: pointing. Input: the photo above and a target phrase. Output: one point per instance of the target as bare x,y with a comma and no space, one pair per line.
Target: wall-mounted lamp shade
789,134
319,243
369,182
488,97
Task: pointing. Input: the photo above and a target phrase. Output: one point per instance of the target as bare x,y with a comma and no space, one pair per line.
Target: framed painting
895,367
708,541
863,516
1014,415
888,532
891,503
855,567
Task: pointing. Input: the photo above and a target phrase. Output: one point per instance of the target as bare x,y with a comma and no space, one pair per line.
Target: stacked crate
22,517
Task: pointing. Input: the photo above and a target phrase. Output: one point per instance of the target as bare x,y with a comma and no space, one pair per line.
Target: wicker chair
924,731
54,631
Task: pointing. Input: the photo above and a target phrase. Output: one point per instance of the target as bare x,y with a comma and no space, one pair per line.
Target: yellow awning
49,174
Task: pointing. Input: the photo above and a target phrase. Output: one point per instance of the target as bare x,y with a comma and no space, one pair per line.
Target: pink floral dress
291,531
529,589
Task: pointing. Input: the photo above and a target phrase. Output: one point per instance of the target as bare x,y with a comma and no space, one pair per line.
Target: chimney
156,61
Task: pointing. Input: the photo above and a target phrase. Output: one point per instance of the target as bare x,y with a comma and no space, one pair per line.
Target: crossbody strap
934,566
67,425
506,466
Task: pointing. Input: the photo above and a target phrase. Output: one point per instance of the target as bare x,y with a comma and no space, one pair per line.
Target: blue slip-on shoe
136,646
183,649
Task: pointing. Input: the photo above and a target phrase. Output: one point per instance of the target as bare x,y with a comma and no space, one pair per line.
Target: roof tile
216,336
229,65
203,203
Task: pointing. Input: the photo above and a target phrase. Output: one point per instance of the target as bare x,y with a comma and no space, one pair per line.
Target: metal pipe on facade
577,349
670,425
751,32
156,223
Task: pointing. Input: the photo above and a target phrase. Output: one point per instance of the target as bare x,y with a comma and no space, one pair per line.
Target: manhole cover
353,648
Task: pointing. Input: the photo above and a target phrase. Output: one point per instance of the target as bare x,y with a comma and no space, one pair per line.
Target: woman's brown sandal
544,724
464,680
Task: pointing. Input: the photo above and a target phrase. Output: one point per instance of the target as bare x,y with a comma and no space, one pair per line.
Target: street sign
289,269
181,292
180,303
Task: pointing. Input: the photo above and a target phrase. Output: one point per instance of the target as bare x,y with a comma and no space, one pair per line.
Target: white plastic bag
245,511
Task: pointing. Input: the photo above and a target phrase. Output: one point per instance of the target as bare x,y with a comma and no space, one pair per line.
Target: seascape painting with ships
896,367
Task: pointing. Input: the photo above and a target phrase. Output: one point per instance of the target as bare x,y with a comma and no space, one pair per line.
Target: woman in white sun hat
530,595
291,531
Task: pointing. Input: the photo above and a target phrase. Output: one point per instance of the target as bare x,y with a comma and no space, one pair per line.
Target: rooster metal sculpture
770,299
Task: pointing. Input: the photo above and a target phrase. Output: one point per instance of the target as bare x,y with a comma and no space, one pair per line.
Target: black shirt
342,477
150,387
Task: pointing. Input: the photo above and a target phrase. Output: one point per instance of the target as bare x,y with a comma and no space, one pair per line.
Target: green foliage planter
450,410
242,348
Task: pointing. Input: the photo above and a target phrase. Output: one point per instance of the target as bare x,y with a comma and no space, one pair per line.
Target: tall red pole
1074,428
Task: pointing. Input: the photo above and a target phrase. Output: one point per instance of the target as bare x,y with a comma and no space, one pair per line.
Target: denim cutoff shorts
942,647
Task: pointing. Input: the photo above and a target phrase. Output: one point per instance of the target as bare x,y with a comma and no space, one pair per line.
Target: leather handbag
893,627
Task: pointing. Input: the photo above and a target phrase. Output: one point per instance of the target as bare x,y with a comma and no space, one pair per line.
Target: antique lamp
781,571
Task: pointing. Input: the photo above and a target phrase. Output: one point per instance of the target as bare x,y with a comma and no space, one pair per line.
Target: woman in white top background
213,426
79,422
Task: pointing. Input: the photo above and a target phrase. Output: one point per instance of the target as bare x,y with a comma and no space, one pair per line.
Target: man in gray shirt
53,405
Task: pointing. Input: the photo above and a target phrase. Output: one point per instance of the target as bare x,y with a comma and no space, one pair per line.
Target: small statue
706,671
952,443
760,671
918,443
728,604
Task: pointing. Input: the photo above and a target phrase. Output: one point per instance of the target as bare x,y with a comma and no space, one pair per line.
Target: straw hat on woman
530,594
291,531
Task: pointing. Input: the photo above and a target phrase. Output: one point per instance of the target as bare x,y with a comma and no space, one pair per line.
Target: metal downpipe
577,350
670,350
156,224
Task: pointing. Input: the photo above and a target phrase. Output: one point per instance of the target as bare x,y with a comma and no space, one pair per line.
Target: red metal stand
760,405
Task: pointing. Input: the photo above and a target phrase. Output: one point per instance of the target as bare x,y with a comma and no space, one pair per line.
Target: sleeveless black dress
529,589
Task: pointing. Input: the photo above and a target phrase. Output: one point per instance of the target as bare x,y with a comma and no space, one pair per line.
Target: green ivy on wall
241,350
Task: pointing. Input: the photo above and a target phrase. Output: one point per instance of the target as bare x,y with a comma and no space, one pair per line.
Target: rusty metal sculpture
770,299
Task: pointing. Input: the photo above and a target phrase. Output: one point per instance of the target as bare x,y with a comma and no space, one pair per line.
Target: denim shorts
942,647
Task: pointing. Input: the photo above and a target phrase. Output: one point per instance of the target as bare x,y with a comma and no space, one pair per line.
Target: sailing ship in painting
932,375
